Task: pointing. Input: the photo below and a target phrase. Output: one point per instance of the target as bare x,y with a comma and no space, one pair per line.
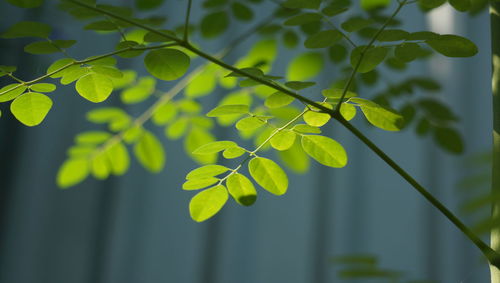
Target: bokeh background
137,228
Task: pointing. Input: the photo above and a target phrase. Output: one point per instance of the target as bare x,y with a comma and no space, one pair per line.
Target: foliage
276,113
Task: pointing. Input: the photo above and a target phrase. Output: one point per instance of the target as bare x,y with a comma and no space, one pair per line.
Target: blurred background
137,228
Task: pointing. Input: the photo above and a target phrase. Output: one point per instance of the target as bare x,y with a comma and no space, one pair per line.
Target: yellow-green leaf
72,172
268,175
150,153
324,150
167,64
207,203
31,108
206,171
241,189
94,87
283,140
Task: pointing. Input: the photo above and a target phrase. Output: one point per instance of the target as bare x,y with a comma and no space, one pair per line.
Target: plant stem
186,24
488,252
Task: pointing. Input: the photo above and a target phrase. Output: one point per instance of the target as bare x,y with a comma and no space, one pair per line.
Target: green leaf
249,123
348,111
206,171
337,53
27,29
374,4
290,39
336,93
356,23
108,71
316,119
150,153
461,5
241,189
241,11
11,91
214,147
164,114
228,110
31,108
449,139
45,47
100,167
302,19
43,87
202,84
195,139
278,99
268,175
59,64
283,140
233,152
102,26
72,172
305,66
302,4
94,87
299,85
154,37
148,4
167,64
306,129
119,158
381,117
207,203
26,3
392,35
199,183
323,39
324,150
139,92
214,24
177,129
372,58
92,137
453,46
407,51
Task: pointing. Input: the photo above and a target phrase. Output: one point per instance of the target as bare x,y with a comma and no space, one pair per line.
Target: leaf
199,183
150,153
214,24
241,189
43,87
26,3
306,129
324,150
144,88
302,19
302,4
278,99
94,87
295,85
453,46
167,64
461,5
356,23
268,175
336,93
72,172
407,51
381,117
214,147
374,4
207,203
233,152
449,139
100,167
206,171
195,139
108,71
59,64
11,91
305,66
372,58
177,129
31,108
392,35
290,39
337,53
249,123
164,114
348,111
241,12
27,29
119,158
228,110
323,39
45,47
283,140
316,119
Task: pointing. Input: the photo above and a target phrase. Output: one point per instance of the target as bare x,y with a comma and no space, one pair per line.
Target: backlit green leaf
31,108
43,87
45,47
150,153
348,111
177,129
283,140
139,92
249,123
207,203
167,64
206,171
199,183
373,4
119,158
92,137
11,91
26,3
195,139
233,152
100,167
278,99
295,85
268,175
324,150
379,116
316,119
295,158
305,66
241,189
228,110
72,172
304,18
306,129
94,87
214,147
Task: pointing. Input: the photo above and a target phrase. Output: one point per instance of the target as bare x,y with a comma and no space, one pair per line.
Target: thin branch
345,36
186,24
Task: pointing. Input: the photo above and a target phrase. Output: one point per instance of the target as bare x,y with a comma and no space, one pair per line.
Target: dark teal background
137,228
